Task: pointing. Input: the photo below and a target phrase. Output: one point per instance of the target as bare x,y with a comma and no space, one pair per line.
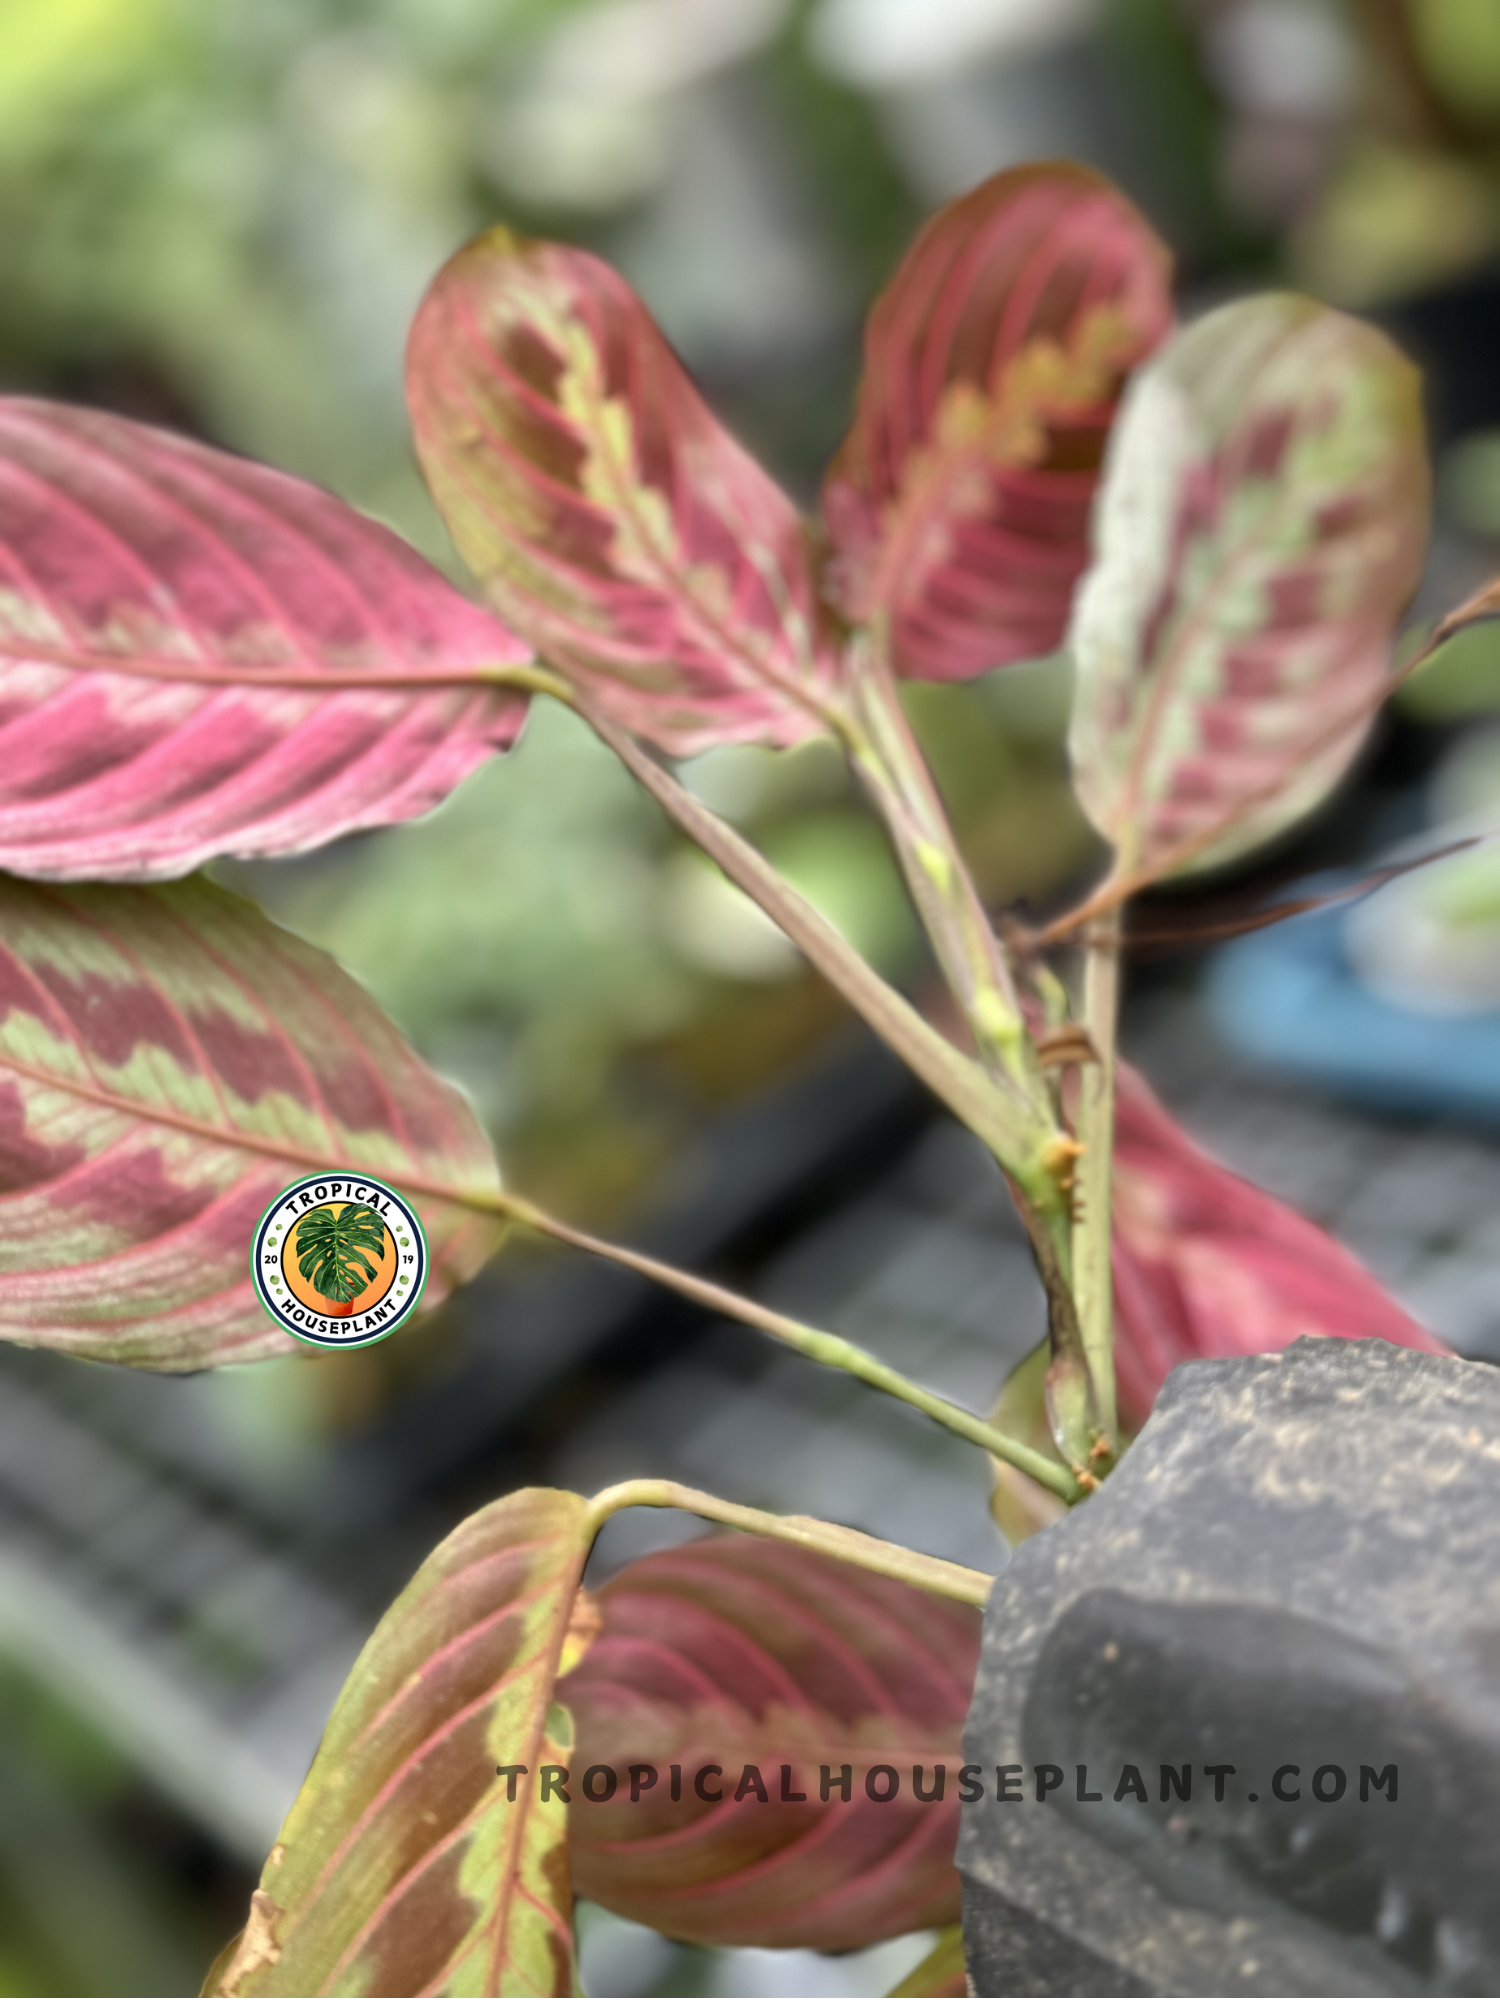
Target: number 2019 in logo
339,1260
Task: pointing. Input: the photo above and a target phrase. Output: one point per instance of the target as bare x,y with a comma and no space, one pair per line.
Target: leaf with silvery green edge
738,1651
1262,524
330,1247
958,505
169,1061
608,515
405,1865
201,656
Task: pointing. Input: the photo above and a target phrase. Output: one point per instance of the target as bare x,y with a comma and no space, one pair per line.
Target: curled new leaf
169,1060
1262,523
959,502
1205,1264
772,1662
606,512
406,1865
201,656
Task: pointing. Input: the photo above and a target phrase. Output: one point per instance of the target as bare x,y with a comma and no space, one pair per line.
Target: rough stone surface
1297,1563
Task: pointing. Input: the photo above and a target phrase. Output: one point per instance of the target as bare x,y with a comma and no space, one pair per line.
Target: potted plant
750,1740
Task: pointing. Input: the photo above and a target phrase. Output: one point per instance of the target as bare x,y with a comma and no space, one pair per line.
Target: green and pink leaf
405,1866
739,1652
958,505
609,516
201,656
169,1060
1262,524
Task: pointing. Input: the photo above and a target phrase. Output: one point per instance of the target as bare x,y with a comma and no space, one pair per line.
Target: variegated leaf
169,1060
405,1866
959,502
745,1653
201,656
1262,523
1207,1265
608,515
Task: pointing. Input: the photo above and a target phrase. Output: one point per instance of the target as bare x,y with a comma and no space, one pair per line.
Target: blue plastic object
1289,998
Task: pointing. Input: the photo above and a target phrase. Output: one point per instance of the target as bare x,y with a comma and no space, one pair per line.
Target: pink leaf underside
201,656
169,1060
739,1652
1205,1264
1263,522
607,513
969,526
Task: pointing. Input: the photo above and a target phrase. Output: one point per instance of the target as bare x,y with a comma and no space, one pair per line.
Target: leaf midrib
494,1202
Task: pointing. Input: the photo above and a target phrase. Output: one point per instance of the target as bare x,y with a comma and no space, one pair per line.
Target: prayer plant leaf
1262,523
751,1653
1207,1265
405,1866
169,1060
201,656
958,505
609,516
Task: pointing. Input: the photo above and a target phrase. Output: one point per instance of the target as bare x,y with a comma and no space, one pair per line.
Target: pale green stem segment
830,1349
991,1114
887,759
1093,1280
944,1579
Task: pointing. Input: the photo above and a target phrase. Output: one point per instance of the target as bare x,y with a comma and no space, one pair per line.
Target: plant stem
993,1115
885,757
1093,1281
888,761
830,1349
945,1579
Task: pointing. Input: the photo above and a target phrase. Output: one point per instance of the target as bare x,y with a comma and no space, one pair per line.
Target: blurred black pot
1283,1614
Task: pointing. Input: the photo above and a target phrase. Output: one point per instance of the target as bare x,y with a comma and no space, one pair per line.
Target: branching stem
885,756
994,1116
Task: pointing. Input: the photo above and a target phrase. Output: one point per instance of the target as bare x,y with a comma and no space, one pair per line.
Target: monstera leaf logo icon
334,1251
339,1260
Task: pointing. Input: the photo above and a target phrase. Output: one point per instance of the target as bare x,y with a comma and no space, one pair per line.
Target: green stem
886,757
829,1349
945,1579
1093,1281
993,1115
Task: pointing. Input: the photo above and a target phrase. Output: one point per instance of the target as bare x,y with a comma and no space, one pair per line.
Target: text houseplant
203,657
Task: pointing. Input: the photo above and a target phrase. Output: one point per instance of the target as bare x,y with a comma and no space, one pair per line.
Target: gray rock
1296,1565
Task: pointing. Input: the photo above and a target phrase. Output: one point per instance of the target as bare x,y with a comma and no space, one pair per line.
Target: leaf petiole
830,1349
945,1579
